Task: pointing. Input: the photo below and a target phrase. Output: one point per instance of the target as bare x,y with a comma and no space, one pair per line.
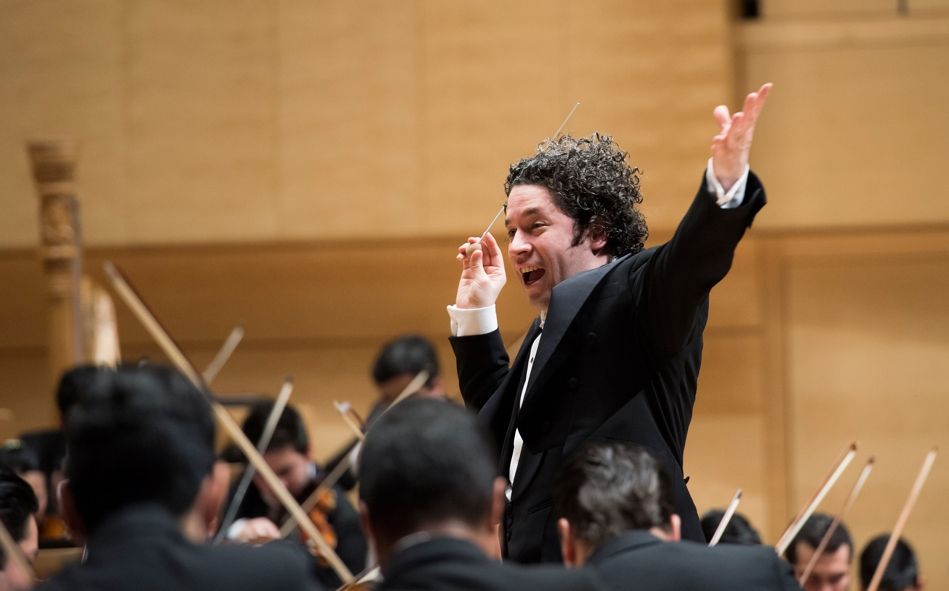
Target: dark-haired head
72,383
738,531
608,489
289,432
400,360
832,570
287,453
901,572
18,505
134,436
426,465
591,182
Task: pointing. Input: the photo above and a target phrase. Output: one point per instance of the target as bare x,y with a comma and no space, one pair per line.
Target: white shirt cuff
735,195
466,322
234,531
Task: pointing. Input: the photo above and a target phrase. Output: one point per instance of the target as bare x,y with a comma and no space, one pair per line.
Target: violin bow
125,290
223,355
265,436
368,576
352,420
804,514
552,138
901,521
726,518
848,502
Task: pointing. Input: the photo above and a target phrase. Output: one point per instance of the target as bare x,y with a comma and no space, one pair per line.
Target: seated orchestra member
901,572
394,368
738,530
832,571
260,514
616,517
430,502
18,508
397,364
143,487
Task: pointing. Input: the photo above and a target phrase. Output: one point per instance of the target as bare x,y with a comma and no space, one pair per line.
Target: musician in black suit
616,350
430,500
144,491
260,515
616,518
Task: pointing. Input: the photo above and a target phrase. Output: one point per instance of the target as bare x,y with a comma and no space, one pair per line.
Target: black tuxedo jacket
450,564
618,360
639,560
142,549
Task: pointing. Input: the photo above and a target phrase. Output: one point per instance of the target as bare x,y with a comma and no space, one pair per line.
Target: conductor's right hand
482,272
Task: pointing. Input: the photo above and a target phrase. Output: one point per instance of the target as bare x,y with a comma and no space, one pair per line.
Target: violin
319,514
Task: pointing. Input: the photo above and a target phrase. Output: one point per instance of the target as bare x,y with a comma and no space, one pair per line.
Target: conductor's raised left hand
731,147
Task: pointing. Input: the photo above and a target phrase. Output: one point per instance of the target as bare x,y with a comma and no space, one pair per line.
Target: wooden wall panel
347,111
200,120
725,452
62,70
650,74
816,9
788,9
856,131
867,349
290,120
488,92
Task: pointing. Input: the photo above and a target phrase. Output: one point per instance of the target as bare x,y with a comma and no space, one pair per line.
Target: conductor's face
541,245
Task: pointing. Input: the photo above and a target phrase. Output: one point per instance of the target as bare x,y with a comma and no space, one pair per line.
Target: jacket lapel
565,302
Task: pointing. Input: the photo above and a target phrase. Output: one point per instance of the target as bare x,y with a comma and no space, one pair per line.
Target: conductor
614,353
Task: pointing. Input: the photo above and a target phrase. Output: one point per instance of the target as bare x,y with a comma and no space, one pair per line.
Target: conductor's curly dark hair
590,181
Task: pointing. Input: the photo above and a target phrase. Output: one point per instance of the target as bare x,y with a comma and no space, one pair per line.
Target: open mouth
532,275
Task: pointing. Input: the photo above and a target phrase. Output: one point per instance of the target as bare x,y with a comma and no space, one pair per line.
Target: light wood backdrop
305,169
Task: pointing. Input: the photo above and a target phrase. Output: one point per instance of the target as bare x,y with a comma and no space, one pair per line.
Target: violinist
260,515
395,366
616,517
430,502
143,489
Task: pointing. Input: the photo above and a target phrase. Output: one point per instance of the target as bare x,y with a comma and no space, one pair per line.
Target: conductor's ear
676,528
574,551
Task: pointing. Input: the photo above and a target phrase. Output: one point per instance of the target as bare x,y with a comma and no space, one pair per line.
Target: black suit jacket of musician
450,564
618,360
142,549
639,560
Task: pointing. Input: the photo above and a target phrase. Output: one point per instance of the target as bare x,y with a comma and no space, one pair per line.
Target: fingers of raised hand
722,116
755,101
